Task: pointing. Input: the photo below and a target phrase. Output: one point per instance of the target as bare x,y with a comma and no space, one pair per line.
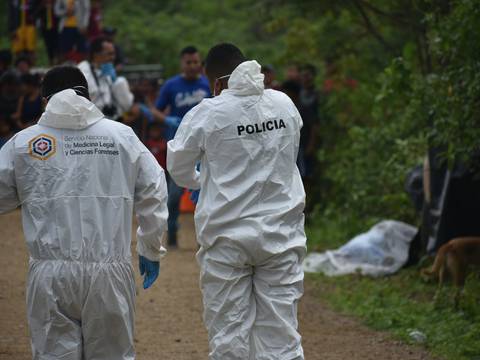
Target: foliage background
415,62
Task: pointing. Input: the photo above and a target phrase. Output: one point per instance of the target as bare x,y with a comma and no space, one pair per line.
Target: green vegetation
403,303
400,303
156,31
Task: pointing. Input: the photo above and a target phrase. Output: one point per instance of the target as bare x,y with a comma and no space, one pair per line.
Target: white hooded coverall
78,177
249,218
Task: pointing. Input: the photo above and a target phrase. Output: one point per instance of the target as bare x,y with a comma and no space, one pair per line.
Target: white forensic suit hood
78,178
249,217
246,79
67,110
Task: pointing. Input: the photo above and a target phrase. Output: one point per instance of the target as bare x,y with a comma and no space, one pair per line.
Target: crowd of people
143,105
154,112
66,26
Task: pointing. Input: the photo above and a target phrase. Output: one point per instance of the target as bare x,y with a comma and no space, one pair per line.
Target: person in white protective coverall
78,177
249,217
109,92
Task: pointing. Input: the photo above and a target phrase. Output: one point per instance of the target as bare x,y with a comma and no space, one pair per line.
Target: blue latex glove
194,194
146,112
108,69
151,269
173,121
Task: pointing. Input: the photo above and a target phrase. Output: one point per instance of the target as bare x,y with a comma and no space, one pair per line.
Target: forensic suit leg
80,311
108,315
250,311
229,306
53,309
278,286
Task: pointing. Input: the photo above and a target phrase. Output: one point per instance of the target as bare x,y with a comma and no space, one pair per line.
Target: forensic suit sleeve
150,206
8,190
122,94
186,149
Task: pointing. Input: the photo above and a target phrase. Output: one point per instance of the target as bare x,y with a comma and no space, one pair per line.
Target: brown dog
454,258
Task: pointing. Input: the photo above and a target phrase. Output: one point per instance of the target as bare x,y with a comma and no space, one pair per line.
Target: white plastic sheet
383,250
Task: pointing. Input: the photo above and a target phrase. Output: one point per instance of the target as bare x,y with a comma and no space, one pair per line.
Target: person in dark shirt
292,72
6,131
293,89
138,118
49,28
269,79
29,107
5,60
9,95
309,101
23,65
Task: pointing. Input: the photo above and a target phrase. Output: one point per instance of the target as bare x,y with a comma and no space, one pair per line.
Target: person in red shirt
96,19
157,144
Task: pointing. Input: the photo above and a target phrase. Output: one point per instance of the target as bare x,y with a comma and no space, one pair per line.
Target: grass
403,302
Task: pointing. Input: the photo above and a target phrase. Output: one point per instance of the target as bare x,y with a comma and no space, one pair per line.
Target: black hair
291,87
9,77
64,77
4,121
5,57
267,69
155,125
188,50
96,46
222,59
30,79
108,30
310,68
21,59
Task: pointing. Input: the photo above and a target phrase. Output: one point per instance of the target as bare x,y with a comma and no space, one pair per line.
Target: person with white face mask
78,177
249,217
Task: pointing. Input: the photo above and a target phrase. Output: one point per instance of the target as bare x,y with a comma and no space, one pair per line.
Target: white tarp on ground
381,251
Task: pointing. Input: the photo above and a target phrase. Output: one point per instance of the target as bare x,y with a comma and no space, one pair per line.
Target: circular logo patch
42,147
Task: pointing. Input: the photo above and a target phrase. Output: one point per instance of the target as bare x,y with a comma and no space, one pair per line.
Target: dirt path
169,324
